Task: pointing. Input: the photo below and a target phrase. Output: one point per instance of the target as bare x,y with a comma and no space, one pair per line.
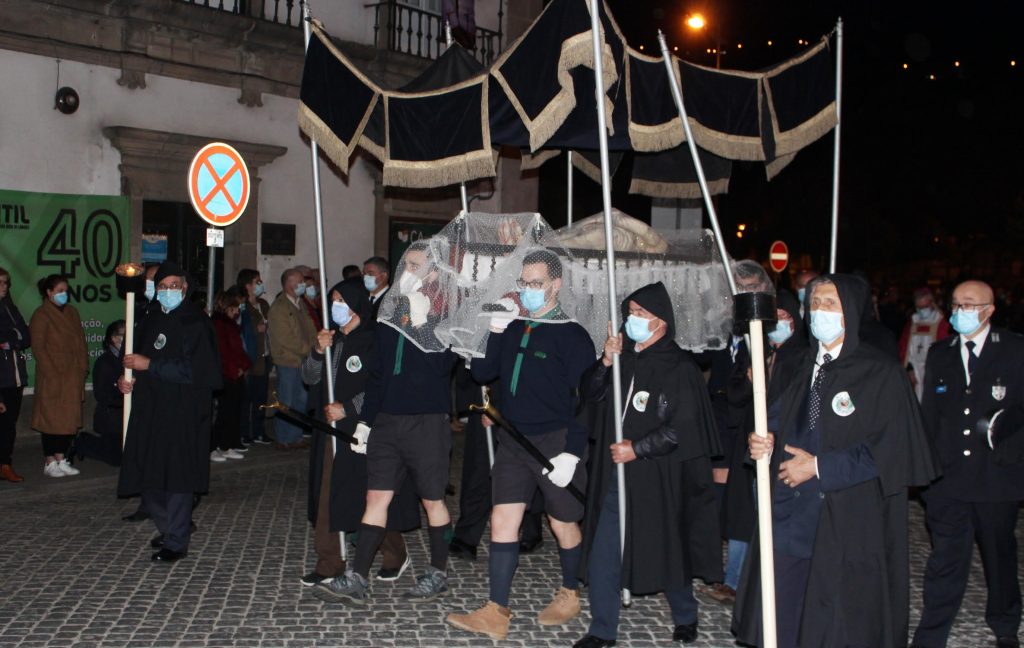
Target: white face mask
409,283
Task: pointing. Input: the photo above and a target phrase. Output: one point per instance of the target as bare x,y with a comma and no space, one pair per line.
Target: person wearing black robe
785,346
669,435
107,419
337,481
176,367
848,444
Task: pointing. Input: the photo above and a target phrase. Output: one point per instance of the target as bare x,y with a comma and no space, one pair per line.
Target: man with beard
167,451
849,442
669,435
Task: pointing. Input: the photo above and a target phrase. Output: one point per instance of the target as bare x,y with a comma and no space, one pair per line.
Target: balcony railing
282,12
400,28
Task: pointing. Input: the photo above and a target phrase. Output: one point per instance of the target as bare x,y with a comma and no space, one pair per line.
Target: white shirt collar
979,340
836,350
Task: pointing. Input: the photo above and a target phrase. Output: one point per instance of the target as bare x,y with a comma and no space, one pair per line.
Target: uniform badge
842,404
998,391
353,364
160,341
640,401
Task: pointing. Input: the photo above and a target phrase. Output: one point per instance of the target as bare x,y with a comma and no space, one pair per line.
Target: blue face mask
60,298
826,326
638,328
259,290
965,322
800,294
300,290
311,292
341,314
783,331
150,289
370,282
925,313
532,299
169,299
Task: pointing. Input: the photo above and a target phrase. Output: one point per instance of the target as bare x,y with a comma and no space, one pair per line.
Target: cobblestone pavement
73,574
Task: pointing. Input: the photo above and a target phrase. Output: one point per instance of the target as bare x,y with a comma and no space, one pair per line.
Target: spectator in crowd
255,312
350,271
376,278
234,362
292,334
104,444
14,339
62,363
927,325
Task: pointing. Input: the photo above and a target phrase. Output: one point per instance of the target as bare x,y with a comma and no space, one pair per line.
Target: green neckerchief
398,354
530,325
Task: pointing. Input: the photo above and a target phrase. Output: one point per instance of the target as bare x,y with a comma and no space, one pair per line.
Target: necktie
814,399
972,359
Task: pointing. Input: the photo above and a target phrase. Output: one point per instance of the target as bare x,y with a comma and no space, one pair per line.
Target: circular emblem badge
160,341
842,404
353,364
640,401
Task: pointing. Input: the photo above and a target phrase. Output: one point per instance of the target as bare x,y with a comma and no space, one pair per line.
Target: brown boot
491,620
7,472
562,608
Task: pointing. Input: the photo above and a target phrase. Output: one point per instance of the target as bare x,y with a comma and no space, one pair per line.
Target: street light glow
905,66
696,21
956,63
739,45
1013,63
742,227
769,43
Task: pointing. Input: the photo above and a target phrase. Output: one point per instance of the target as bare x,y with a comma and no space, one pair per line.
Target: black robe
671,511
858,589
168,443
353,355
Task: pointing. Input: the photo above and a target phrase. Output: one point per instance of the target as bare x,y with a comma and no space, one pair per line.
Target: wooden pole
764,492
128,347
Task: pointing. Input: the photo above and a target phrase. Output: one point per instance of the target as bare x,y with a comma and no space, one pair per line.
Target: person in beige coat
62,364
292,334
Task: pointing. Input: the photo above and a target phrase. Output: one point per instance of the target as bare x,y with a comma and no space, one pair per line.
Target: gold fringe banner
654,189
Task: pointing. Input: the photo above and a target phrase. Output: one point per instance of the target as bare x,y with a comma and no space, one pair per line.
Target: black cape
672,515
168,444
738,510
354,354
858,589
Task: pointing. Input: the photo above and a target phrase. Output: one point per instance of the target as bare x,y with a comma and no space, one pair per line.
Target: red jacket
234,361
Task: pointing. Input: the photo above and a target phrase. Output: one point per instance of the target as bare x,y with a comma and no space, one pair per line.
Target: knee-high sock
438,546
369,541
503,562
570,560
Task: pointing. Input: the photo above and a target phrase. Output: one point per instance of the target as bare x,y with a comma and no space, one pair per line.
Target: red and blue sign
218,184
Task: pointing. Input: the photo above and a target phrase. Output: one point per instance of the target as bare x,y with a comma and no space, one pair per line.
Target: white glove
362,435
564,467
419,307
498,322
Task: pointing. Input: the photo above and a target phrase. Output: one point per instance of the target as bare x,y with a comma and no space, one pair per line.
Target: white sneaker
217,456
232,454
67,468
52,470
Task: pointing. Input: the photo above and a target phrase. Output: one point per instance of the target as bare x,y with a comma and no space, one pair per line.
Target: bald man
969,377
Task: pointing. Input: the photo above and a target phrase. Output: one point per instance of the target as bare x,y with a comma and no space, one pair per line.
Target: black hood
788,302
655,299
358,299
854,294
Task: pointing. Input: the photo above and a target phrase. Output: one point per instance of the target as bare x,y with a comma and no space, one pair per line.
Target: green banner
83,237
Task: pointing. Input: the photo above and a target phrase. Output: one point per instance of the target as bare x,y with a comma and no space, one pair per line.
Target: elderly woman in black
14,339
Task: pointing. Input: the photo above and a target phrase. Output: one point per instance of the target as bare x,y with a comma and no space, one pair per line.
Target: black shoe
685,633
312,578
449,489
590,641
529,546
1007,642
166,555
192,526
394,573
157,542
459,549
137,516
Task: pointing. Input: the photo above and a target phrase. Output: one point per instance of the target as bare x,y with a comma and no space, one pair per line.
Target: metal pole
677,96
613,301
489,430
324,309
568,187
764,492
211,262
835,155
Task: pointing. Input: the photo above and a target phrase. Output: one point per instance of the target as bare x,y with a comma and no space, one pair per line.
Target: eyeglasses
173,286
969,308
533,285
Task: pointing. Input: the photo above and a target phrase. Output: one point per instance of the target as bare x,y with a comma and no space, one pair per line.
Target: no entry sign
778,256
218,184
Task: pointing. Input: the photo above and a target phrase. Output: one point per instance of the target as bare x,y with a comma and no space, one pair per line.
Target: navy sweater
419,384
546,394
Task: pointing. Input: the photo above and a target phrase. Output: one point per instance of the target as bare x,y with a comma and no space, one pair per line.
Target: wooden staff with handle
131,278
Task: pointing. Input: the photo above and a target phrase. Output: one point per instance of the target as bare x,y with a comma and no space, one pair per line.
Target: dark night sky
932,170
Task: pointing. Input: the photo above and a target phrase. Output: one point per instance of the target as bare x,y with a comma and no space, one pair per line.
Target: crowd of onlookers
254,337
